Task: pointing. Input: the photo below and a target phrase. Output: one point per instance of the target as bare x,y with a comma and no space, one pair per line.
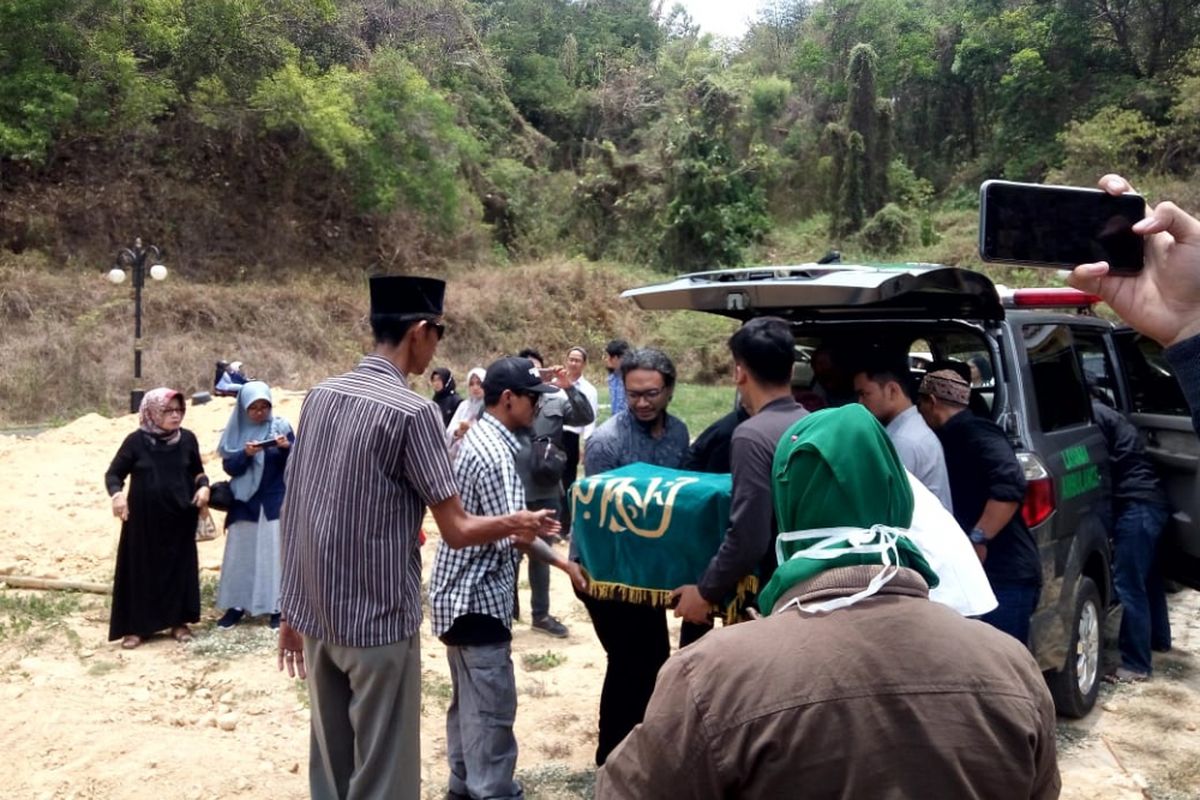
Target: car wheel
1074,687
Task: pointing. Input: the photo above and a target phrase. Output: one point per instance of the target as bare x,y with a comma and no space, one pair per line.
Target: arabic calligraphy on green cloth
643,530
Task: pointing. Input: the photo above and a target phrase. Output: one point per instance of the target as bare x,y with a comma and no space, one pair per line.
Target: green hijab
838,468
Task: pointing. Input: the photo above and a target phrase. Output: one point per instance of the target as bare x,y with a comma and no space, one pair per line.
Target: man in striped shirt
471,590
369,457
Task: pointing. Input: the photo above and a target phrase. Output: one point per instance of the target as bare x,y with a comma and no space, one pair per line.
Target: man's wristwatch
977,536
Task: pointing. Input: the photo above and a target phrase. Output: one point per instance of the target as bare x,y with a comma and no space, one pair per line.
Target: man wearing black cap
370,456
471,590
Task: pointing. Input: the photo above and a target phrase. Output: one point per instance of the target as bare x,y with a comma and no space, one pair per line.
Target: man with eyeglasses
370,456
634,636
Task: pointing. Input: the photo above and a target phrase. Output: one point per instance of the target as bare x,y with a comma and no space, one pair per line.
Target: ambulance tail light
1052,298
1039,501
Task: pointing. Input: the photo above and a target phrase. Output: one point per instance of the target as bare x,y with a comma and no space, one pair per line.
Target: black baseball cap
515,374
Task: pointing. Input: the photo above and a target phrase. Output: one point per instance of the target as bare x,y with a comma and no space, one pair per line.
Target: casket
642,531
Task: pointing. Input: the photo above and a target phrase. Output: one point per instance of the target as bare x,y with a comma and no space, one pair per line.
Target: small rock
86,653
140,695
223,709
1112,708
227,698
207,720
1191,726
294,768
243,785
227,722
203,693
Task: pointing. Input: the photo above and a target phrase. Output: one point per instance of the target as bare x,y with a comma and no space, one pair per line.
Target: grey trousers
480,742
366,720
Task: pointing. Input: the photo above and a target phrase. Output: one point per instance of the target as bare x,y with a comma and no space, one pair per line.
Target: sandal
1123,675
130,642
181,634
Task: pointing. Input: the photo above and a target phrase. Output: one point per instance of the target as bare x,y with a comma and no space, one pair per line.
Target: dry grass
66,336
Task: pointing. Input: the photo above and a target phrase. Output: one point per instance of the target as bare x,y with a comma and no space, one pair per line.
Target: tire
1075,686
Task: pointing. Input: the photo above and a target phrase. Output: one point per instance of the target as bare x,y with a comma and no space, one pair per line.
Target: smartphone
547,374
268,443
1059,226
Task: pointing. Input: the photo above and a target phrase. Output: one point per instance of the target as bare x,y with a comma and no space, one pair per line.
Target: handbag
206,529
547,461
220,496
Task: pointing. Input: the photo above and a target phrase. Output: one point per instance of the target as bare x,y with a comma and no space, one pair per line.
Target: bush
1113,140
889,231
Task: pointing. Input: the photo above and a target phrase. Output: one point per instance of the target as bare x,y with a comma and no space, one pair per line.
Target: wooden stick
54,584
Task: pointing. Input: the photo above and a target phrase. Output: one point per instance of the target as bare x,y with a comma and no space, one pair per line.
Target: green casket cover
643,530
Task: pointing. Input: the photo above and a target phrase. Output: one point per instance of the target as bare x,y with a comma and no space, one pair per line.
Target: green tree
851,201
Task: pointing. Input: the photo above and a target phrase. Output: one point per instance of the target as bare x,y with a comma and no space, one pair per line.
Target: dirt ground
214,718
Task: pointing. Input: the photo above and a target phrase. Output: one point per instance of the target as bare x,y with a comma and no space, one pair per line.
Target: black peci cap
407,294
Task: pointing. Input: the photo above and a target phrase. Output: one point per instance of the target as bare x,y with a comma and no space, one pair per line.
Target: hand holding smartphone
1059,227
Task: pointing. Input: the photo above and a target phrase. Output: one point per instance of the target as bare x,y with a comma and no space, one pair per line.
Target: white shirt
589,391
962,584
921,453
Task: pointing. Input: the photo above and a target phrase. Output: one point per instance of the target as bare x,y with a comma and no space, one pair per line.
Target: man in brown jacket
857,685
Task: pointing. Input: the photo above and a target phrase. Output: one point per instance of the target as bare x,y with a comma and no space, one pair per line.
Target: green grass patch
22,613
556,781
99,668
439,691
537,662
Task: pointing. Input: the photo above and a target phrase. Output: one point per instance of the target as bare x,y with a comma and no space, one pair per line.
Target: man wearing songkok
854,685
987,485
370,456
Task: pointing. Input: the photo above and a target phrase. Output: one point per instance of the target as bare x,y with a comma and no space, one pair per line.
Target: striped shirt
370,455
480,579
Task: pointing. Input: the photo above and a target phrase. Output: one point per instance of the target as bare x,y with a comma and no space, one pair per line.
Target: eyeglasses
172,410
648,394
438,327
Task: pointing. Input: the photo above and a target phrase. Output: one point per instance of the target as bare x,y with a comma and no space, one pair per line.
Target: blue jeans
480,743
1017,602
1139,584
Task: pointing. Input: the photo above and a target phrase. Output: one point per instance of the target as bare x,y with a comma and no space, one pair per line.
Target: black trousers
571,448
636,641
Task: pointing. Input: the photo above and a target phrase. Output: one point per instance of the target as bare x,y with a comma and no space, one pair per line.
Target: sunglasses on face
438,327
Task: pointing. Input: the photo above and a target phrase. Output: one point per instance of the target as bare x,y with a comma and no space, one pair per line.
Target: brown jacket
894,697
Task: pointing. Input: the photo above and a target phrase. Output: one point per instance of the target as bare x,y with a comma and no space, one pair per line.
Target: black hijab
446,398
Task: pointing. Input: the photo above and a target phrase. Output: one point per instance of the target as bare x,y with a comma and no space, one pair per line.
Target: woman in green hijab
836,469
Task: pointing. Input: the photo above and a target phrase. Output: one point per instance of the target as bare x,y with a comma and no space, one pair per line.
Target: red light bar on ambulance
1049,298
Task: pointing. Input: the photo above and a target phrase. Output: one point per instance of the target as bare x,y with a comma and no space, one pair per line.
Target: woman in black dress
157,584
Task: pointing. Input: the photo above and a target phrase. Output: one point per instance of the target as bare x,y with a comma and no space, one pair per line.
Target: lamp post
135,259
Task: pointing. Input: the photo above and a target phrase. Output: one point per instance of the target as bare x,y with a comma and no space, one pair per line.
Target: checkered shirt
480,579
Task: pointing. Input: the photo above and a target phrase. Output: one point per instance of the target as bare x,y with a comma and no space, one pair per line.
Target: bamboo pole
53,584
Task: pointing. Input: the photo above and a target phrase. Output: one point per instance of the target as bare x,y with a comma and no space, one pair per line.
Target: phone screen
1059,226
